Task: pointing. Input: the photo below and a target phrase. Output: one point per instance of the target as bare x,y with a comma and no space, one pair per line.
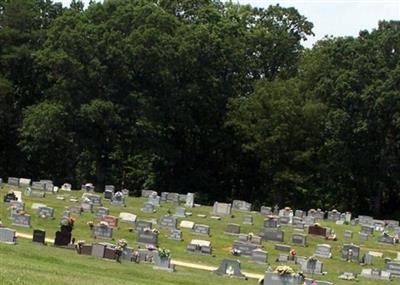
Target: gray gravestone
232,229
230,268
168,222
180,212
350,252
189,203
148,208
221,209
7,235
271,223
102,211
143,225
13,181
102,231
243,248
248,220
272,234
323,250
266,210
46,212
272,278
201,229
348,234
21,220
393,268
259,256
241,205
147,237
176,235
312,266
299,239
387,239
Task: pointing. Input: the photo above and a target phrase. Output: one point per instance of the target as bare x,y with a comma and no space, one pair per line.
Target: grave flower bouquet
164,253
285,270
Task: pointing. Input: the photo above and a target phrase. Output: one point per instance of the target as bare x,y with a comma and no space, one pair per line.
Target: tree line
216,98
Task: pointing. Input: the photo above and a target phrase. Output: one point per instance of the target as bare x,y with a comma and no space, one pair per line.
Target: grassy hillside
27,262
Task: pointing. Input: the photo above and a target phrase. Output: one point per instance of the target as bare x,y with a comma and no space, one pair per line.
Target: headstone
118,199
312,266
186,225
127,218
248,220
86,207
271,222
154,199
375,274
348,234
46,212
363,236
168,222
189,200
21,220
284,220
173,198
393,268
282,258
240,205
180,212
176,235
272,234
148,237
36,206
282,247
267,211
272,278
102,211
200,246
299,239
323,250
317,230
368,258
148,208
163,263
201,229
7,235
385,238
298,223
243,248
75,209
367,229
66,187
147,193
299,214
110,220
16,207
334,215
13,181
259,256
127,253
232,229
108,194
98,250
309,220
39,186
102,231
230,268
222,209
23,182
350,252
143,225
39,236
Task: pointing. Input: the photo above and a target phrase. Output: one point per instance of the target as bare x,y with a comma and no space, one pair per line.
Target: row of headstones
168,197
42,185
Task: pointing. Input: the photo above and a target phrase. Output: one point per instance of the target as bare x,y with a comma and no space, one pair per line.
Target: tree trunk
101,166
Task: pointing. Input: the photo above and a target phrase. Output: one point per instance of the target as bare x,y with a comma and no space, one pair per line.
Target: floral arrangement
284,270
164,253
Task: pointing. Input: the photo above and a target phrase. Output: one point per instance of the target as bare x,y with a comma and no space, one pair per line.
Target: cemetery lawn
27,263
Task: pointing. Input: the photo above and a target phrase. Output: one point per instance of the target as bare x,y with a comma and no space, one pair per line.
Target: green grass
34,264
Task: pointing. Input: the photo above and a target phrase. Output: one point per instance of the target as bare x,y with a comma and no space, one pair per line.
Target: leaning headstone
21,220
222,209
201,229
168,222
39,236
8,236
259,256
323,250
147,237
299,239
233,229
230,268
240,205
102,231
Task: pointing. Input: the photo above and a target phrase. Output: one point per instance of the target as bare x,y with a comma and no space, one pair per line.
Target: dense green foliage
215,98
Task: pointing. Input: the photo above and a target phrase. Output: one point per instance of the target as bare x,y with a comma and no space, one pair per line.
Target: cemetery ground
29,263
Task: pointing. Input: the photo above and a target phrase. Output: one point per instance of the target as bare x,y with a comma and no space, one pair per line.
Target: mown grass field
27,263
